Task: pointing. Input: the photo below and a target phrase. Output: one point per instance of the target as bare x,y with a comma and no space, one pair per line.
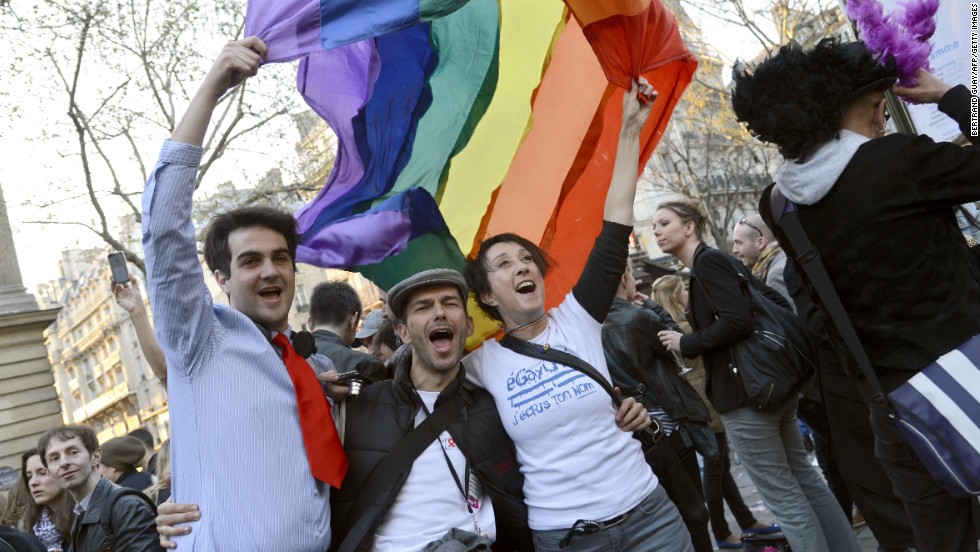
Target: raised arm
175,281
622,189
951,100
599,280
237,61
130,299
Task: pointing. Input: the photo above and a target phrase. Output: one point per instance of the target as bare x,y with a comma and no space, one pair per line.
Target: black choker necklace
523,326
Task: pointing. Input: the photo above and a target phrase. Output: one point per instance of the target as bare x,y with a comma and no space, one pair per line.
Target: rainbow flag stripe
459,119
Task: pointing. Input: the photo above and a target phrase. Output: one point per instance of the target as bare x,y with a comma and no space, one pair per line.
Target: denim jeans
654,524
941,523
814,415
720,487
771,448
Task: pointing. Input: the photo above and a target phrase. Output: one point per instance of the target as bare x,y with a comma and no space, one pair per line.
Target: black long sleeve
956,103
722,313
665,318
597,285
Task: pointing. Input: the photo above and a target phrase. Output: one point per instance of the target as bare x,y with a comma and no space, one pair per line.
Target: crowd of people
296,441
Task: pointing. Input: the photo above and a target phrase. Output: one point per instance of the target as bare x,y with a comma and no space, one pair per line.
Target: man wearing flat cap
447,471
465,484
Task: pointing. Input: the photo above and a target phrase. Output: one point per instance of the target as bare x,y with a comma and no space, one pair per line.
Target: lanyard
459,484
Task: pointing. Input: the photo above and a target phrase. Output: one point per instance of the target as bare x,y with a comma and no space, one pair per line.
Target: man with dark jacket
335,310
439,490
910,299
642,368
107,517
465,484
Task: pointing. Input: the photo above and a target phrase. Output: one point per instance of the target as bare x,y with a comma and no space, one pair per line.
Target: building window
302,303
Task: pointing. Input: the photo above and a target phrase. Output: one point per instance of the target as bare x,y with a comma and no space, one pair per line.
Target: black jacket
385,412
133,479
132,523
888,236
641,367
714,282
346,359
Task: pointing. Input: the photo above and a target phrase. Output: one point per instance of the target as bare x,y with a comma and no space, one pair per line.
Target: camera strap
543,352
398,461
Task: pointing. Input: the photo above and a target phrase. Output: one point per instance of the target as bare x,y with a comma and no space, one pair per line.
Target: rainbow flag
458,120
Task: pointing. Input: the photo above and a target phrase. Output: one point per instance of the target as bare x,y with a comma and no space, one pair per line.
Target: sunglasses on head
750,225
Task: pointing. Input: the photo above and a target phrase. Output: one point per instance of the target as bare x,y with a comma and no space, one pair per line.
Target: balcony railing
100,403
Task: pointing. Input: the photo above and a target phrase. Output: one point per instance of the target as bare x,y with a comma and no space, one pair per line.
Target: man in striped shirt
237,447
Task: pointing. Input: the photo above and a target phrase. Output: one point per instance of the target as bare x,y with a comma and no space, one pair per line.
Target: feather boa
905,39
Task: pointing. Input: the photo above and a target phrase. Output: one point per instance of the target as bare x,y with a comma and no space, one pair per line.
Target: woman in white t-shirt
587,485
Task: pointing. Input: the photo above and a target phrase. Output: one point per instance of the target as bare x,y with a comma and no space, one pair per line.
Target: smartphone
117,265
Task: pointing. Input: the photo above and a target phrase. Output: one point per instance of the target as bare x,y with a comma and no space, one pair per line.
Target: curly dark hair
796,98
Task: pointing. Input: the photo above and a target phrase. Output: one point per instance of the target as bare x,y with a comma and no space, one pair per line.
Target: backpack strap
787,217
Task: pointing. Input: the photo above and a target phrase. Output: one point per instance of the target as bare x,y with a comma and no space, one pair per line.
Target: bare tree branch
122,69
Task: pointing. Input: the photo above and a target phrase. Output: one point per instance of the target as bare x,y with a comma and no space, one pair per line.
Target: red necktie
328,462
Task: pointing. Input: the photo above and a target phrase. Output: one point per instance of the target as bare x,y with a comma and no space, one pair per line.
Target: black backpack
12,540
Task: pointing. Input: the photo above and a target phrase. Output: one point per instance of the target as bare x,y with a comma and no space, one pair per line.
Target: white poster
950,61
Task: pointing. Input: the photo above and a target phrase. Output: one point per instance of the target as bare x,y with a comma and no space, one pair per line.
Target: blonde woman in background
159,492
670,292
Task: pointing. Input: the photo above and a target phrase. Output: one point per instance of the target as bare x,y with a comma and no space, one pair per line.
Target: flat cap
400,292
122,452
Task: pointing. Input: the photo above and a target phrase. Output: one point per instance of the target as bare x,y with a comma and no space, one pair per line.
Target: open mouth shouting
442,339
526,287
271,293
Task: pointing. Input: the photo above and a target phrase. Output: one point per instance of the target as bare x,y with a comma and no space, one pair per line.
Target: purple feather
920,18
906,41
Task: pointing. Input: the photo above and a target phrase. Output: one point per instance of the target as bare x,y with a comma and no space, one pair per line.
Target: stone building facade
100,373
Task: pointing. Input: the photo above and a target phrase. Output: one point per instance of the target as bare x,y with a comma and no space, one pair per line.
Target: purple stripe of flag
291,29
336,84
344,244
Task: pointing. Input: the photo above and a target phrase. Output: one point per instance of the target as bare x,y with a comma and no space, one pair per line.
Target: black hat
400,292
796,98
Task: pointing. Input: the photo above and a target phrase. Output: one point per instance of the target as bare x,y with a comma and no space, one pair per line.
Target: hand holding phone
118,268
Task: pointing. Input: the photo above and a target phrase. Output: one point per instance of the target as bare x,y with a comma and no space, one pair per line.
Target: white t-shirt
577,463
430,503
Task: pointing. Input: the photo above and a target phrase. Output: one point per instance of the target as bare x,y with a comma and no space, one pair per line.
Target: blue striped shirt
236,445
